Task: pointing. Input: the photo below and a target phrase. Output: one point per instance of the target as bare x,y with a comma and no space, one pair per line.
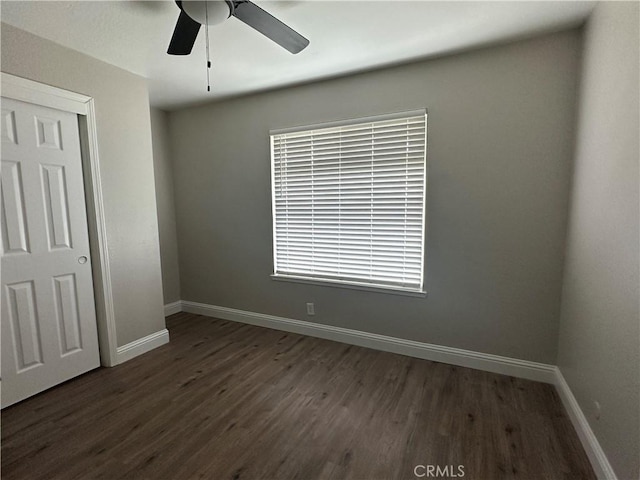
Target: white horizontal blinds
349,202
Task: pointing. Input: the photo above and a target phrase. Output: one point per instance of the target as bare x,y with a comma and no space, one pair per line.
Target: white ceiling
345,37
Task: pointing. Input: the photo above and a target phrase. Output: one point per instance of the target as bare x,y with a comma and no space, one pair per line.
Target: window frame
352,284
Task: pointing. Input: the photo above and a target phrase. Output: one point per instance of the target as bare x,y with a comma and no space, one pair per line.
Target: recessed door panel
25,325
14,227
67,312
8,125
48,132
54,193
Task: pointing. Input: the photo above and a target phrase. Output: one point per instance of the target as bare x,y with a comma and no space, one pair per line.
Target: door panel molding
18,88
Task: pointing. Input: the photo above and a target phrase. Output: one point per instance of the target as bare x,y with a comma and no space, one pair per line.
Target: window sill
350,285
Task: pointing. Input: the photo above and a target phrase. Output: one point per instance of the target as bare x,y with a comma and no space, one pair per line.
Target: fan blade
269,26
184,35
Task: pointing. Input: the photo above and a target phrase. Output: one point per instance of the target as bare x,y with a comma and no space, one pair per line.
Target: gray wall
599,347
124,144
165,201
500,151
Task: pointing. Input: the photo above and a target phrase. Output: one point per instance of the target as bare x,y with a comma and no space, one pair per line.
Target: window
349,202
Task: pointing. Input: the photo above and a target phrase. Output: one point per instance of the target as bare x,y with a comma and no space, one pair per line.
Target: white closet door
49,331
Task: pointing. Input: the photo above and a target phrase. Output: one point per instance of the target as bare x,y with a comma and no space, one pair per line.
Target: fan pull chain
206,32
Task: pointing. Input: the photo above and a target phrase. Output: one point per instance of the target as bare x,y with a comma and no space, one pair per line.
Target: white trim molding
597,457
455,356
26,90
172,308
142,345
98,237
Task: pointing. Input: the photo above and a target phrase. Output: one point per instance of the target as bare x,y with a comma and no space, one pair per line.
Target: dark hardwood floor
229,401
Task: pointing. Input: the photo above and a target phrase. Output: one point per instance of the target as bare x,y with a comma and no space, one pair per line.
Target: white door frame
18,88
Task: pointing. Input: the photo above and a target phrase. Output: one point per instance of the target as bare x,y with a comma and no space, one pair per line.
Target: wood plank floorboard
225,400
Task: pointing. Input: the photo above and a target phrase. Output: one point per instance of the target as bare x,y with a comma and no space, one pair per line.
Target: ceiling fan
194,13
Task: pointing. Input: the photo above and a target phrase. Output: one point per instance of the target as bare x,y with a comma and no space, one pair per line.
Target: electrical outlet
311,309
598,410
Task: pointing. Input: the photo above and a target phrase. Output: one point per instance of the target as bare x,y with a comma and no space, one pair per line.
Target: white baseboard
142,345
171,308
455,356
597,457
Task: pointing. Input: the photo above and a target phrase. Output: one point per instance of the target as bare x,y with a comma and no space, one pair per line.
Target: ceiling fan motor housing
207,12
